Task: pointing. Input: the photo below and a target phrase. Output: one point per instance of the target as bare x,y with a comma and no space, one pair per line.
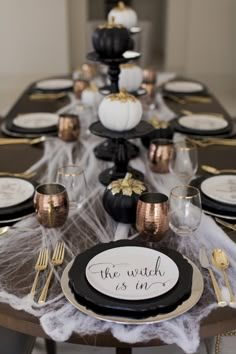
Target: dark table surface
17,158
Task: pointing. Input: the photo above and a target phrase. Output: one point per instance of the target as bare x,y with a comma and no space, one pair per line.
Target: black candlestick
121,158
106,150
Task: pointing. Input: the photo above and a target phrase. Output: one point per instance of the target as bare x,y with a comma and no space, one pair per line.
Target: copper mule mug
152,216
51,204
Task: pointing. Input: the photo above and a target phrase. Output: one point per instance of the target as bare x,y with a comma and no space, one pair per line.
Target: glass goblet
73,178
185,210
184,161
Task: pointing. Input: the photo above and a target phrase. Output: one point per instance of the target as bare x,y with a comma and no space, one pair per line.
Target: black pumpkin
120,199
111,40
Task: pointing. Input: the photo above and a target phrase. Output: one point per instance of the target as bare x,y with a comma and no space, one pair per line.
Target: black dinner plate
204,92
19,210
224,131
212,205
103,304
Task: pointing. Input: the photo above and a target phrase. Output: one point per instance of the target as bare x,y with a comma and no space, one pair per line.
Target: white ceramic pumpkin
123,15
131,77
120,111
90,96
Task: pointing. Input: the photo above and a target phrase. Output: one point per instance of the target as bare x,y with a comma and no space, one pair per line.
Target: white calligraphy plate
54,84
36,120
220,188
14,191
132,273
196,293
183,86
202,122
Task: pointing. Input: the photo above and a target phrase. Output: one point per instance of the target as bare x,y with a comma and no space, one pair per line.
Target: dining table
17,158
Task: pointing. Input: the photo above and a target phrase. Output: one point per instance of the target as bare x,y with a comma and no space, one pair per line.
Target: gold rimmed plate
196,293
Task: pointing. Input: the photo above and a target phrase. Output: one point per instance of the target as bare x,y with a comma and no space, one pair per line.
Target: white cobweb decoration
85,228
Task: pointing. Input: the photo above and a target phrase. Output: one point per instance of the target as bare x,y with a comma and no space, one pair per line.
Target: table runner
18,250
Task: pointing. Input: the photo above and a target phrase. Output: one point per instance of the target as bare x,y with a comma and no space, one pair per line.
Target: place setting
218,194
183,91
16,195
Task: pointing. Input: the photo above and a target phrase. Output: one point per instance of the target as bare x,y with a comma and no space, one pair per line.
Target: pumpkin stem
121,5
112,20
125,182
123,92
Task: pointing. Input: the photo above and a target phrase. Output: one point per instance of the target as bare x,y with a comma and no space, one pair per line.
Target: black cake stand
106,150
121,157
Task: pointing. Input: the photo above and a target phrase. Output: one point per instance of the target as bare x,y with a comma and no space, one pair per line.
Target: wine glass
185,210
184,161
73,178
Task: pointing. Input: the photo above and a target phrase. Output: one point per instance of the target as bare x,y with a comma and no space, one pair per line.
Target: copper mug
149,76
159,154
68,127
51,204
152,216
79,86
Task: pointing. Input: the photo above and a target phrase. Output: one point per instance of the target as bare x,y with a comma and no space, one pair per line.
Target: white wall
33,37
201,36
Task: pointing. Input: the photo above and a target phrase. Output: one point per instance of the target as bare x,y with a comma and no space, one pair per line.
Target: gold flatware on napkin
226,224
216,171
205,264
189,113
212,141
41,264
56,260
20,174
5,229
189,99
9,141
220,260
38,96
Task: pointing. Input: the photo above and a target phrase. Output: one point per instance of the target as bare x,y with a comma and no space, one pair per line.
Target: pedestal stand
106,150
121,157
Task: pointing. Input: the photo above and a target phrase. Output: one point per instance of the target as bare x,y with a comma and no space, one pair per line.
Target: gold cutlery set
50,96
189,99
211,141
219,260
9,141
42,264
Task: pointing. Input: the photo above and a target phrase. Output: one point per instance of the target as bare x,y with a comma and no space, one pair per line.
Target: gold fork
57,259
9,141
41,264
18,174
214,141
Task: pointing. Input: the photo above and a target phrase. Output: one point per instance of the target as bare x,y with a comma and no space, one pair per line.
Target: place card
132,273
14,191
220,188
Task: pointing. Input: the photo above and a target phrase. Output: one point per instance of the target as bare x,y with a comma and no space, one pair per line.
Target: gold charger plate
197,290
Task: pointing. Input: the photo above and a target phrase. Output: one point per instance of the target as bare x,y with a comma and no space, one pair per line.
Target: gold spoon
216,171
220,260
5,229
188,113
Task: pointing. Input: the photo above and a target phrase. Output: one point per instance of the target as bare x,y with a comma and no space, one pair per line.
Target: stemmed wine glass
184,161
185,210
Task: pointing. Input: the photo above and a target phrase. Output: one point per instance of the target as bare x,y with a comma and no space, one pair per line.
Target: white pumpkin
120,111
123,15
131,77
90,96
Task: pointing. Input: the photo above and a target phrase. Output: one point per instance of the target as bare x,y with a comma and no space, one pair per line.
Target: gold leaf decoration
127,186
122,96
158,124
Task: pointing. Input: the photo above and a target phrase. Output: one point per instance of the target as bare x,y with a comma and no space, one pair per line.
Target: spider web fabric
87,227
